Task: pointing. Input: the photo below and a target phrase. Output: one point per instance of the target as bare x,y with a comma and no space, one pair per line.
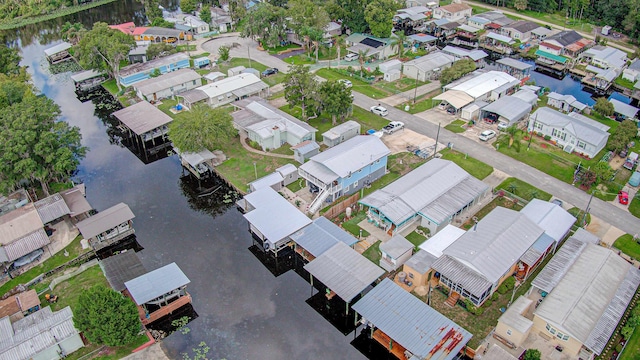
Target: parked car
351,57
346,83
270,71
503,126
623,197
451,110
393,127
557,202
28,259
380,110
487,135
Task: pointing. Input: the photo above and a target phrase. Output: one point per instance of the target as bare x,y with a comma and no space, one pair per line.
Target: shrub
472,308
547,137
495,296
487,303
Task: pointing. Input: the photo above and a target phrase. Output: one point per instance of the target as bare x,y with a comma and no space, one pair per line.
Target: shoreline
20,22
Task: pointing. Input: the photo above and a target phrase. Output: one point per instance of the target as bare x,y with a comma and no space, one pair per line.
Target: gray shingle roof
105,220
412,323
566,37
156,283
321,235
344,271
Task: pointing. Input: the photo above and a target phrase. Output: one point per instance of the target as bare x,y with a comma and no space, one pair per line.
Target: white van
351,57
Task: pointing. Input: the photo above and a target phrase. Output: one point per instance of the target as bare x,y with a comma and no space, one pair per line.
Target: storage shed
253,71
214,76
472,111
391,69
305,150
201,62
395,252
340,133
235,70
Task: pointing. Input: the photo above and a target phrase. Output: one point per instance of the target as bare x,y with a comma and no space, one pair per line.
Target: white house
189,23
391,70
227,90
489,85
341,133
167,85
566,103
427,67
574,132
632,72
395,252
453,12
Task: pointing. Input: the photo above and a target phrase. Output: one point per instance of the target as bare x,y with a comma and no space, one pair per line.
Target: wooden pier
164,310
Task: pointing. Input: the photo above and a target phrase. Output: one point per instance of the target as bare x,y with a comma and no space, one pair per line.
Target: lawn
110,353
523,189
579,214
69,291
416,239
498,201
278,49
111,86
624,83
351,225
233,62
401,85
457,126
300,59
423,103
632,350
476,168
358,85
628,245
74,249
634,206
373,253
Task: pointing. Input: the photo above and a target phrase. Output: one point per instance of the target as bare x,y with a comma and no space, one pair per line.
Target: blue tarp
620,97
635,179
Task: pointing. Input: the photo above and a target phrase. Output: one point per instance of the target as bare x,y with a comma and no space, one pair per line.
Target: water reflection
211,196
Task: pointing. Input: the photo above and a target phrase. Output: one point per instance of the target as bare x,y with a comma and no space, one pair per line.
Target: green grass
276,49
74,249
283,150
373,253
457,126
523,189
628,245
296,185
397,166
300,59
110,86
351,225
190,47
166,105
368,119
400,85
416,239
624,83
579,214
634,206
17,22
358,85
423,103
112,353
204,54
632,350
270,80
69,291
476,168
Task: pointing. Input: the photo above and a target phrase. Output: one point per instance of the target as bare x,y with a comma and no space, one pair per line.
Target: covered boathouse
145,127
108,226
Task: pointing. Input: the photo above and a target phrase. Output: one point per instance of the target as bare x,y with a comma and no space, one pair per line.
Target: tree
362,57
603,107
106,317
308,21
266,22
202,128
622,135
13,90
9,60
103,49
588,178
520,5
161,22
532,354
36,146
457,70
352,13
152,9
158,50
205,14
398,40
72,32
603,171
299,88
336,99
223,51
237,11
340,42
188,6
379,16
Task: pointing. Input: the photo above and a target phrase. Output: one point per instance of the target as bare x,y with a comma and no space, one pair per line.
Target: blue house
131,74
344,169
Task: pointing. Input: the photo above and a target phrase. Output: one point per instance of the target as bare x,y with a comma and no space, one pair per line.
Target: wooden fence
339,208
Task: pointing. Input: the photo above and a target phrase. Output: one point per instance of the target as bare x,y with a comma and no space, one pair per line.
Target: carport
509,109
455,98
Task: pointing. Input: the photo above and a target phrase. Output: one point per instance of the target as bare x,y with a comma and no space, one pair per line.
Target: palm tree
398,40
340,41
362,54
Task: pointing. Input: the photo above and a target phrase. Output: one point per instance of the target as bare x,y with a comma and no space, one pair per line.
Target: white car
351,57
382,111
346,83
487,135
503,126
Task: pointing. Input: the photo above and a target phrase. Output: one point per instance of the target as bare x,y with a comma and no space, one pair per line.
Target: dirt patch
616,163
399,141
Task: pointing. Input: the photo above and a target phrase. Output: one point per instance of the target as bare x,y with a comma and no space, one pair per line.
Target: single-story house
588,288
527,95
144,121
17,306
159,34
427,67
283,176
373,47
538,90
214,76
21,228
189,23
508,109
472,111
305,151
134,73
395,252
423,41
167,85
220,19
566,43
624,111
138,54
340,133
478,22
513,326
332,29
411,17
453,12
227,90
555,220
201,62
122,267
269,126
489,85
345,169
408,327
518,69
497,42
319,236
632,72
418,268
432,194
497,19
272,219
540,33
605,57
520,30
574,132
566,103
108,226
43,335
460,53
475,265
428,3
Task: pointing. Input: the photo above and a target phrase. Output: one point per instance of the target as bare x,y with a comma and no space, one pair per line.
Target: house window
346,188
228,95
509,332
194,82
355,184
539,126
581,145
220,98
171,89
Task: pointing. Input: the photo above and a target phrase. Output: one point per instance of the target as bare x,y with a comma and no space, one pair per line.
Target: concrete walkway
405,96
154,352
243,141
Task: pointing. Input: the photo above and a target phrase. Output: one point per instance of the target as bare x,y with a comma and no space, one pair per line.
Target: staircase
317,202
452,300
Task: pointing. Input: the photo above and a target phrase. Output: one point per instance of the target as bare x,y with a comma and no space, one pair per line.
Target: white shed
289,173
472,111
235,71
387,66
341,133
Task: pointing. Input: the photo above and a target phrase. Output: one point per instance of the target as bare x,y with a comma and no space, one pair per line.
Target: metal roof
513,316
462,274
57,49
422,38
575,125
267,180
156,283
484,83
436,244
75,200
337,131
51,208
105,220
166,81
251,89
535,252
416,326
591,297
306,147
27,337
541,31
194,159
18,223
397,246
346,158
287,169
344,271
121,268
26,244
455,98
585,236
526,95
437,190
498,37
496,243
511,108
142,117
513,63
421,261
555,220
212,76
321,235
193,96
523,26
85,75
431,61
153,64
559,264
624,109
273,215
262,118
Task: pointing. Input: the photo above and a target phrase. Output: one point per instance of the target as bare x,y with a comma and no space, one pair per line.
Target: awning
455,98
26,244
250,89
548,55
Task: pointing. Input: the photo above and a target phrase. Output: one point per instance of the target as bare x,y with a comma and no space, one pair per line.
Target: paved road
485,153
517,14
247,48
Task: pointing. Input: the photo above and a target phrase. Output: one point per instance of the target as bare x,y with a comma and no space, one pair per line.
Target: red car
623,197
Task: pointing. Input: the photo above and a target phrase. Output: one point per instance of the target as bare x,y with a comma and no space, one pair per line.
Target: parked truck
631,161
393,127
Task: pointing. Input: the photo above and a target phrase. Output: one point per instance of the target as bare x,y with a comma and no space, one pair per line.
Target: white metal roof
421,261
455,98
85,75
527,95
585,236
274,216
431,61
57,48
194,159
559,264
514,318
411,323
267,180
231,84
214,75
436,244
156,283
579,126
105,220
337,131
268,117
321,235
513,63
153,64
484,83
142,117
166,81
396,246
555,220
498,37
624,109
509,107
344,271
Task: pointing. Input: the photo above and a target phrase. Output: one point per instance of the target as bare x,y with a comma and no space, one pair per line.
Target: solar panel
371,42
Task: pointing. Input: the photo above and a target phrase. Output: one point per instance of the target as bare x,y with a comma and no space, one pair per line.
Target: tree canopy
103,48
299,88
106,317
457,70
603,106
379,16
335,99
532,354
266,22
188,6
622,135
159,50
201,128
9,60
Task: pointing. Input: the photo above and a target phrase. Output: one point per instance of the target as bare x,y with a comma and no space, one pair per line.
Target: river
244,311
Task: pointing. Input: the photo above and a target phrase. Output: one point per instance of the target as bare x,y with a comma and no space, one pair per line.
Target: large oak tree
201,128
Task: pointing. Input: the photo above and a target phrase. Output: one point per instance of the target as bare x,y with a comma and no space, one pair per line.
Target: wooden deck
396,349
164,310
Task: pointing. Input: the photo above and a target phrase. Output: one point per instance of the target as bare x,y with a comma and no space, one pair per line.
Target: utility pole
533,127
415,91
586,210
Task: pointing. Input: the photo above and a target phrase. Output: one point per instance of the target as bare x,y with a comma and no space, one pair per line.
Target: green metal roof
556,58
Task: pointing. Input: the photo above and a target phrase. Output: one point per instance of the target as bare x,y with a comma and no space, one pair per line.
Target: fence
341,206
86,257
64,277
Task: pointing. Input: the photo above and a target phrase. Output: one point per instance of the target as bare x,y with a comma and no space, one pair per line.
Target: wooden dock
164,310
394,348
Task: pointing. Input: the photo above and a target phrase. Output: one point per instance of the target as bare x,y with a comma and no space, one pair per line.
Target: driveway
246,48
